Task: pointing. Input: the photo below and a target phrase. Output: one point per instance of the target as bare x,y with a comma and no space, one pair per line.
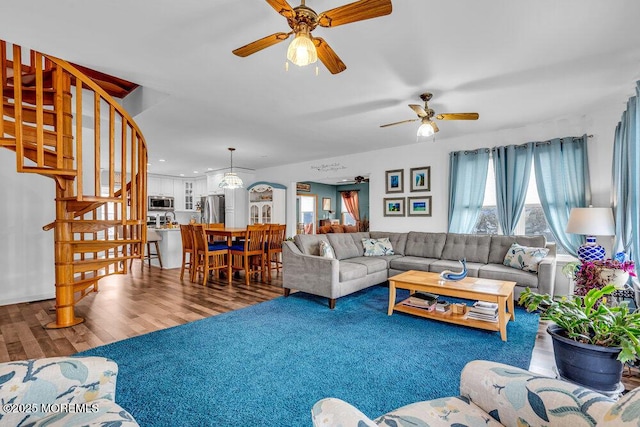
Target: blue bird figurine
453,276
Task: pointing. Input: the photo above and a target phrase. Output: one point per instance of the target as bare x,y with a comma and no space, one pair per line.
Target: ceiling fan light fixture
302,51
230,179
426,129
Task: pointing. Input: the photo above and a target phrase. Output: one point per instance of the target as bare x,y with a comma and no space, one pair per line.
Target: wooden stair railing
99,167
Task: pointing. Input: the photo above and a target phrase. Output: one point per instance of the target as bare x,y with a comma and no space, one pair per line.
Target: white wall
601,124
26,251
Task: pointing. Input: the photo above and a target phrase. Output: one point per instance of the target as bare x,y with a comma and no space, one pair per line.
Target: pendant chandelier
231,180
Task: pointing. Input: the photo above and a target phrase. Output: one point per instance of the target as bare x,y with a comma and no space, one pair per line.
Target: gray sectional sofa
305,270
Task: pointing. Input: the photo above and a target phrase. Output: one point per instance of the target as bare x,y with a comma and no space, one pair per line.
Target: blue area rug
266,365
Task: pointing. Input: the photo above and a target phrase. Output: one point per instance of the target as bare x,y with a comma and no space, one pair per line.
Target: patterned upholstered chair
493,394
61,391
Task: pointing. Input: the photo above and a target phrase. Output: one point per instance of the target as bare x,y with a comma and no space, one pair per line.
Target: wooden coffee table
472,288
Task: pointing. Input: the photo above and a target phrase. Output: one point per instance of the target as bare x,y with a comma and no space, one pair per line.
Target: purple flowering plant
588,274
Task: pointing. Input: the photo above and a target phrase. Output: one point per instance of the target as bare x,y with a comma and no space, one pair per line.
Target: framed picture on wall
394,206
419,206
395,181
421,179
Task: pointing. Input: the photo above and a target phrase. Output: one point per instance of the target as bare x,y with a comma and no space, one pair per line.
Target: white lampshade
302,51
425,130
591,222
231,180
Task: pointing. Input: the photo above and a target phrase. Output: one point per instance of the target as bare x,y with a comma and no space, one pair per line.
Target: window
347,219
532,221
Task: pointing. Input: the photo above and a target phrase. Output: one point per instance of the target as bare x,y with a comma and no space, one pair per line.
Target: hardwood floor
151,299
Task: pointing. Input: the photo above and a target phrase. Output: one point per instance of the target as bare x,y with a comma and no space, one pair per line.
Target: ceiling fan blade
328,57
356,11
263,43
435,127
458,116
282,7
398,123
419,110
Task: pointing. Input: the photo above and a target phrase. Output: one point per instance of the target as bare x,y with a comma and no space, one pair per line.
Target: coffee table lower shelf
448,316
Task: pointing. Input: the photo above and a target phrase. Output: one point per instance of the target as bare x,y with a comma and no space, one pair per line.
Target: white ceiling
513,61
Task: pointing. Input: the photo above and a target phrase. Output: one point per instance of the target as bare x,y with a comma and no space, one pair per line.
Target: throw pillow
326,250
524,257
377,247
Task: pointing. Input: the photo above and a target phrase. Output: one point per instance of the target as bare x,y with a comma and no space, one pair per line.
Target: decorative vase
617,277
588,365
591,251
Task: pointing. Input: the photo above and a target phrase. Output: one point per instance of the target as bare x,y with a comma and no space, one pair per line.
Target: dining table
228,232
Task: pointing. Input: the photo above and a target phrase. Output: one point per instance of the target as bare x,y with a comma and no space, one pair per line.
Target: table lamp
591,222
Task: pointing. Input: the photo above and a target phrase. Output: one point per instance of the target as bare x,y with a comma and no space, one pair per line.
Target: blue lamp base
591,251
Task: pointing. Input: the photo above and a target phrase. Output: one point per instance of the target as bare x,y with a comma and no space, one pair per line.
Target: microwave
160,203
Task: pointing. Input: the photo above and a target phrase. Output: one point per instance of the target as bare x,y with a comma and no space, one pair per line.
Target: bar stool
152,237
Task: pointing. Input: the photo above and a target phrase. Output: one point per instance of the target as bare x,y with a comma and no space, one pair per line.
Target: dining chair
188,251
250,254
212,238
273,247
209,257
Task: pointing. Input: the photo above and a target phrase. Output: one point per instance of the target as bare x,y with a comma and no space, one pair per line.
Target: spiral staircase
63,125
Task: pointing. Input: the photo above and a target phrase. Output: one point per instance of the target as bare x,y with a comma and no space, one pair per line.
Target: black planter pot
591,366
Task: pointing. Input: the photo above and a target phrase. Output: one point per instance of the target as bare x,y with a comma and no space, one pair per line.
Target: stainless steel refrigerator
212,209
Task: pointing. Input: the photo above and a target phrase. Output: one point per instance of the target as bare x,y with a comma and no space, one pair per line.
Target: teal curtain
512,167
467,180
562,179
626,180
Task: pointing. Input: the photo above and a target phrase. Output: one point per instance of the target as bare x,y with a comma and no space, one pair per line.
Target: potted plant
596,274
591,340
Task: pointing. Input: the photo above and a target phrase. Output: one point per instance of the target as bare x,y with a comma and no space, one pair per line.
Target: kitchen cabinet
267,203
160,186
200,188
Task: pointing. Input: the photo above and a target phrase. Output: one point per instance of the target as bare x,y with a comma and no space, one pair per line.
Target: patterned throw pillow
377,247
524,257
326,250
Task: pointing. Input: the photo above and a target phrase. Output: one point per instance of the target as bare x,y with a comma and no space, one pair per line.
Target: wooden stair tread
30,134
29,114
88,246
83,266
29,95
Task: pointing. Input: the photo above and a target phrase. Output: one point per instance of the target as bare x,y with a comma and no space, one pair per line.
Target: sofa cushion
373,264
357,239
448,264
377,247
502,272
473,247
524,257
446,411
344,246
398,240
425,245
501,244
326,250
337,228
101,412
309,244
351,271
407,263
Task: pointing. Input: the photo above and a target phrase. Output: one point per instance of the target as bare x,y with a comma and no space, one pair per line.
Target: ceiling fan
425,114
306,49
357,180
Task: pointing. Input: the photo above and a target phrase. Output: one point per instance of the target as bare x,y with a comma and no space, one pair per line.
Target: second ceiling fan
425,114
306,49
